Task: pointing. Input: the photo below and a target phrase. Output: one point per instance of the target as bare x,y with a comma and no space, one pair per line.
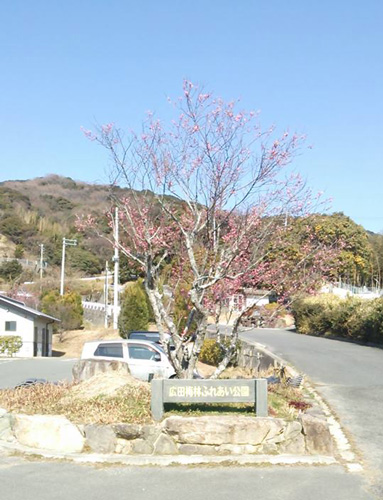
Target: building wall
24,329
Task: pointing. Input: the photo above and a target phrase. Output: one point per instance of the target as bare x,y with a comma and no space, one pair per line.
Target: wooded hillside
43,211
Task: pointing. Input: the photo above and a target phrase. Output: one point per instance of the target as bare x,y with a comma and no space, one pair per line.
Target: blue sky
312,67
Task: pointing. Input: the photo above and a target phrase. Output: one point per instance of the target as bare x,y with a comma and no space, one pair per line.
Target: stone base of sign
207,435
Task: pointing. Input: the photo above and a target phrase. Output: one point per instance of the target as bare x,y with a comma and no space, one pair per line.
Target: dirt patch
73,341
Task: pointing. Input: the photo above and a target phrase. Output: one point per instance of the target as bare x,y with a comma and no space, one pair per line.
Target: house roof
20,306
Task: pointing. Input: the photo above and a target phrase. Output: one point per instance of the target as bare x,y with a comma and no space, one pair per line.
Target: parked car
145,335
145,359
149,336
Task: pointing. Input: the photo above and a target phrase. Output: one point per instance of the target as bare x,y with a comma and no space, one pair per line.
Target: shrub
67,308
314,314
10,344
182,307
19,251
10,270
352,318
84,261
212,352
134,313
15,228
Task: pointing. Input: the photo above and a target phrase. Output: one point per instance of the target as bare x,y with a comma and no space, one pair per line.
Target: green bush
352,318
134,313
19,251
10,270
67,308
10,344
15,228
84,261
212,353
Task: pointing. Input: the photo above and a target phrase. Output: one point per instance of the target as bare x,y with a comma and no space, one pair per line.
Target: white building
247,298
34,327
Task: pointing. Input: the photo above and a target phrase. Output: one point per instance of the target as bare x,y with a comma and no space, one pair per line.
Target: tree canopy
210,194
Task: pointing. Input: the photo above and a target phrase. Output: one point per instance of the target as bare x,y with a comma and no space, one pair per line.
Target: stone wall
251,358
207,435
94,316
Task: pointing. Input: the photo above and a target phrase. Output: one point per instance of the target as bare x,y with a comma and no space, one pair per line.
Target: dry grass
7,248
113,398
129,403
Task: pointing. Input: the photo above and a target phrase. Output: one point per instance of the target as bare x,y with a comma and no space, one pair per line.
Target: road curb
167,460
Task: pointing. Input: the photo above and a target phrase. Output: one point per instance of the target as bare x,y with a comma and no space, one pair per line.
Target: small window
10,326
109,350
141,352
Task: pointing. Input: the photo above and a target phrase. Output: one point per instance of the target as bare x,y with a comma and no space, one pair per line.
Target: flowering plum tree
207,214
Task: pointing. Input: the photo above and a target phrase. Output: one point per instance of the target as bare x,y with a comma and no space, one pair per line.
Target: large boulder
48,432
317,435
87,368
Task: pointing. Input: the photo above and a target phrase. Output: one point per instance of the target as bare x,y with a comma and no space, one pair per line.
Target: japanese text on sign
206,391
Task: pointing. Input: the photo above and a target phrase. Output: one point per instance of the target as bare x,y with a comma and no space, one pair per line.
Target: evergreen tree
134,313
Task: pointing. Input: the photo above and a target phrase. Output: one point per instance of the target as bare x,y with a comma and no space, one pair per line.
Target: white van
145,359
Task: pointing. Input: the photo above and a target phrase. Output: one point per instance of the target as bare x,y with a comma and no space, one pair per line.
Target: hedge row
351,318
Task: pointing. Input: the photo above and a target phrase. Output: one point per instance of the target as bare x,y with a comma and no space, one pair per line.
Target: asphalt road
22,480
13,371
349,377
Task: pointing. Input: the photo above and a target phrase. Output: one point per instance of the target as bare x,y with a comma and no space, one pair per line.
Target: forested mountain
43,211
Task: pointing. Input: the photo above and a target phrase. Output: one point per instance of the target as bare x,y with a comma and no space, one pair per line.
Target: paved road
349,377
13,371
21,480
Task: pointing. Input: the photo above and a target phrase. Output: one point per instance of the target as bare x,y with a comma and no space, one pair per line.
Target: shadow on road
57,354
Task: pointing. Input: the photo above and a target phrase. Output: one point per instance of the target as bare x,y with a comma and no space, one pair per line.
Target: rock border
225,435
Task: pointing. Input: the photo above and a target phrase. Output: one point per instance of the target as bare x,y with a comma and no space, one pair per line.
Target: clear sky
315,67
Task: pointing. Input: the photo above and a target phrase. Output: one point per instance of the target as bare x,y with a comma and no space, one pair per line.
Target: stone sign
209,391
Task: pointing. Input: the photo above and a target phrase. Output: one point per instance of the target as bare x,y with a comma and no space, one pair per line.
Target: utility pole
66,242
106,290
116,272
41,260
